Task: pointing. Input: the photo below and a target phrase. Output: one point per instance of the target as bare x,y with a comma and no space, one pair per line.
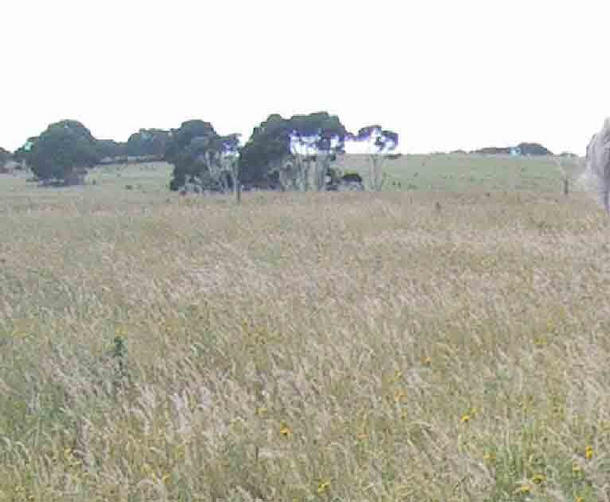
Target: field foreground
304,347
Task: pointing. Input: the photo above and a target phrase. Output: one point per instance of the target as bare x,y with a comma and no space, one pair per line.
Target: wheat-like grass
304,347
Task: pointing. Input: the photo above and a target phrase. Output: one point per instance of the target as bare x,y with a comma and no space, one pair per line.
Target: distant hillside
520,149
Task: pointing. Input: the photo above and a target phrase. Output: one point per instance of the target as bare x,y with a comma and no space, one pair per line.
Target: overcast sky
444,74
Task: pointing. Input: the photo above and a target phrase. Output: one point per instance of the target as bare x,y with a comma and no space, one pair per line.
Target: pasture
446,342
460,172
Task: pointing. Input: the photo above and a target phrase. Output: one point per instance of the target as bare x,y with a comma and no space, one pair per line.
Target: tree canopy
110,149
521,149
268,144
5,156
381,143
289,153
533,149
148,142
201,157
62,148
277,141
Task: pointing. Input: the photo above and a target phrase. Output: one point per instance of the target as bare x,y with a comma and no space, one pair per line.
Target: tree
315,141
110,149
293,153
21,154
5,159
521,148
5,156
381,143
148,142
533,149
267,148
61,152
202,159
229,158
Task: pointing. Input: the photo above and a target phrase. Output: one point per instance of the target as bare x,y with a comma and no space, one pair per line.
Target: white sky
444,74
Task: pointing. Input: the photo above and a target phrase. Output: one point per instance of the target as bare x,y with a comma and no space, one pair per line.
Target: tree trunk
321,169
376,172
236,180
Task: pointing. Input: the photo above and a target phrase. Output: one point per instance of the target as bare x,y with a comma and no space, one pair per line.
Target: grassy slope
466,172
369,347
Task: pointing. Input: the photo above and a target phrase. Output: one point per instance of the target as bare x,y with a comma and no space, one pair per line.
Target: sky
445,75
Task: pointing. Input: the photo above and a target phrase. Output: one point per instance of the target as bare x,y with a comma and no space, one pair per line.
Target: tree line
293,153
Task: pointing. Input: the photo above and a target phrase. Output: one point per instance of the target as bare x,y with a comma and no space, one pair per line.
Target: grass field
444,172
422,345
438,172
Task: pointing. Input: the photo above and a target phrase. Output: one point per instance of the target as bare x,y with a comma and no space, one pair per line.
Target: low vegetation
304,346
520,149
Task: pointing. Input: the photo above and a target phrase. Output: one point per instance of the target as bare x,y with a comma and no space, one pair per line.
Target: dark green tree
110,149
268,147
5,160
5,156
61,152
21,154
533,149
293,153
202,159
148,142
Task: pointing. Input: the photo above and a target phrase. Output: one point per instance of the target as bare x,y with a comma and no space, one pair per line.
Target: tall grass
304,347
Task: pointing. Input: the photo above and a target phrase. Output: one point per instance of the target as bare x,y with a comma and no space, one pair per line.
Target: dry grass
304,347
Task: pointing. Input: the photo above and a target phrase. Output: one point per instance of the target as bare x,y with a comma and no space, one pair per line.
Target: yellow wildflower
465,418
540,341
523,489
589,452
323,487
285,430
539,479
